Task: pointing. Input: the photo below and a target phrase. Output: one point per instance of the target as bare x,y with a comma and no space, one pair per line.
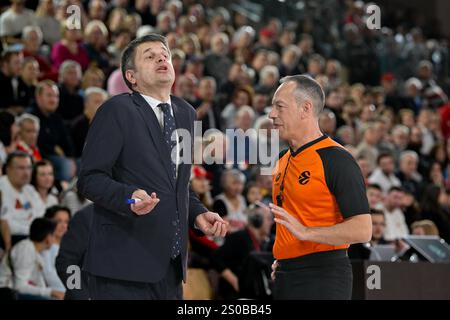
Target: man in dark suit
138,251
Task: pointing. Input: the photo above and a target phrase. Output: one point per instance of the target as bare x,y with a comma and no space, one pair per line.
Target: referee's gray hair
307,89
28,117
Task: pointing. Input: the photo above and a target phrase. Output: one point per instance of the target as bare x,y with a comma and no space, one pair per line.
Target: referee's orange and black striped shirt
323,185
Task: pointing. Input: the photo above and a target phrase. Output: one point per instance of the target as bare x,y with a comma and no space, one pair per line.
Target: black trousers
169,288
318,276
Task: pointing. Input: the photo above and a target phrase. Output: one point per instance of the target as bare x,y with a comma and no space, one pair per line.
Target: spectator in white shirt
384,173
23,268
14,20
61,216
20,202
396,227
43,179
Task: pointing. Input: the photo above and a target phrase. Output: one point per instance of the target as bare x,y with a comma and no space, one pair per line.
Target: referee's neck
304,138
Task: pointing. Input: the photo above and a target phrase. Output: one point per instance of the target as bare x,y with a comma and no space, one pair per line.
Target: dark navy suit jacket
125,151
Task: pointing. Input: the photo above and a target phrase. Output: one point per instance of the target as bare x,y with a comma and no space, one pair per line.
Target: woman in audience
424,228
231,203
43,180
253,193
70,48
96,41
61,217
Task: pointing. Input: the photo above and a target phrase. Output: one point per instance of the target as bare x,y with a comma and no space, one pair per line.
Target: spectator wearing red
32,40
70,48
28,135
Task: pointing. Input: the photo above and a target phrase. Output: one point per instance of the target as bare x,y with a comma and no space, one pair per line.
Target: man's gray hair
307,89
26,117
28,29
66,65
93,90
408,153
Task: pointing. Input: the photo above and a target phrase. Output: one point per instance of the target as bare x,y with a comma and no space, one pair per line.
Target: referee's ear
307,110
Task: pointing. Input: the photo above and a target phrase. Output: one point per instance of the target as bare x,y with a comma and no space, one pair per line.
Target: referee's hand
290,222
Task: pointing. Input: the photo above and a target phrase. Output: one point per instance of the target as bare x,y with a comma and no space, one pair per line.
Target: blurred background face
62,219
97,10
93,102
233,186
387,165
33,42
364,166
408,165
218,46
29,133
374,196
418,231
45,177
395,198
19,172
207,90
73,35
241,99
122,40
378,226
48,99
96,37
14,65
200,185
30,71
93,80
244,121
254,194
71,77
401,139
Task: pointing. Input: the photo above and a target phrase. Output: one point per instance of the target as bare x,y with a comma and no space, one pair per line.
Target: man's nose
272,113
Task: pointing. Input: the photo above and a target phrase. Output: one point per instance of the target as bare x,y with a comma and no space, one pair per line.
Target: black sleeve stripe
344,180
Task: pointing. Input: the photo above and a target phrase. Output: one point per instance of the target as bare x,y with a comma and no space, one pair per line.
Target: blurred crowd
386,102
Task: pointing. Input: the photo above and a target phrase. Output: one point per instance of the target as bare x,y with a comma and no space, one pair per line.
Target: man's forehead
152,46
283,91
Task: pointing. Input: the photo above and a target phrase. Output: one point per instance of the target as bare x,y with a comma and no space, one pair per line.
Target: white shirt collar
154,102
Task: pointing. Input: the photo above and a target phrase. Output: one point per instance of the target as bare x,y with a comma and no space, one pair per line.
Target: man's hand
211,224
58,295
274,269
146,205
291,223
232,279
202,110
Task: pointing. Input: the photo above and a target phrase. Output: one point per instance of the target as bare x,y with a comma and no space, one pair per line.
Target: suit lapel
154,128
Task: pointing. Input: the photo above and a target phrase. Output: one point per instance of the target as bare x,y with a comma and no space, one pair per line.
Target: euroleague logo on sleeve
304,177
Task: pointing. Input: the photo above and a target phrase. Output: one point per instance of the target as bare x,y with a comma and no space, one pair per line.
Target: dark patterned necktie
168,129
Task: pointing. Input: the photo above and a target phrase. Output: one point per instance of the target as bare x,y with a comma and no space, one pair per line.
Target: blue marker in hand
133,201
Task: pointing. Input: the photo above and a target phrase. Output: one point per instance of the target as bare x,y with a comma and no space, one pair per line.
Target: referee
320,202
